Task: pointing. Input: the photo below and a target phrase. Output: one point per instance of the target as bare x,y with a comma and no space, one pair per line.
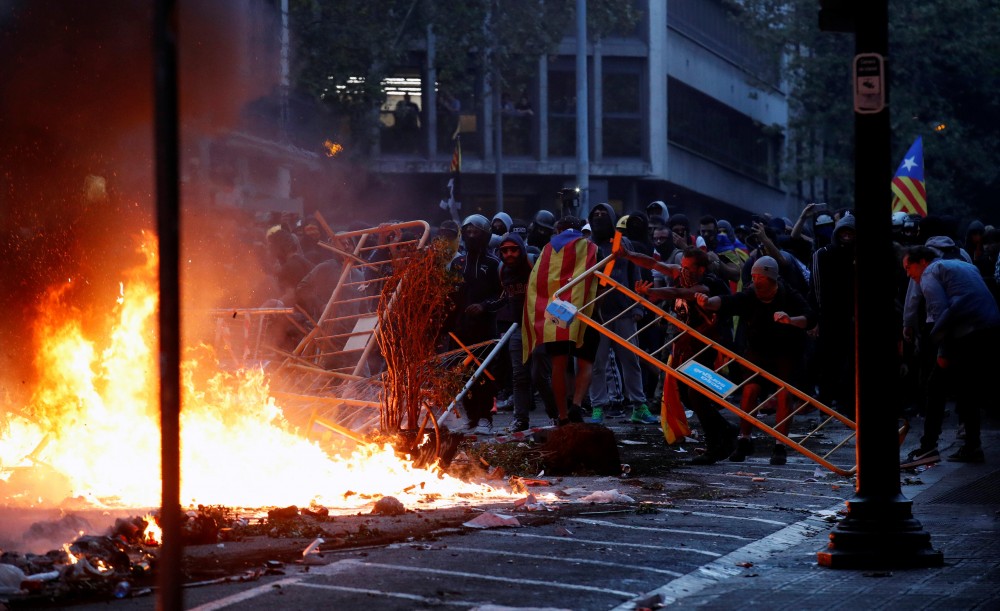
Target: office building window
717,132
622,131
562,113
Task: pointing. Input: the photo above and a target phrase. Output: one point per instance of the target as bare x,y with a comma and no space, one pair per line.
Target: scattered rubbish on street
607,496
493,520
313,548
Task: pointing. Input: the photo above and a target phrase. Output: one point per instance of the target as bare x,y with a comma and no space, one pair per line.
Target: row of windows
695,121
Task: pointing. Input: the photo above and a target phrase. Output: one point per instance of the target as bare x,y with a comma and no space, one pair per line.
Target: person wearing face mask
472,321
689,278
620,314
776,318
500,225
831,295
541,228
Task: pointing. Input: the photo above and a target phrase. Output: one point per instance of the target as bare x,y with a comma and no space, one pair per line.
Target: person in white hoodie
499,226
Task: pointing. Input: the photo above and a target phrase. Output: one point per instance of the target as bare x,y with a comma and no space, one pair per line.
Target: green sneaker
597,415
642,415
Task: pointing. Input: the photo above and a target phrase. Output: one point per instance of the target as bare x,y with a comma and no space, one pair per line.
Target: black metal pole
879,529
168,229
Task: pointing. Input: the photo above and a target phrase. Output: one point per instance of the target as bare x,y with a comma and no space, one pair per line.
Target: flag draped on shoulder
908,191
567,256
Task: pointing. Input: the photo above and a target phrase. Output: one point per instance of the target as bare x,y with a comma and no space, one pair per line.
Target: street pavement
723,536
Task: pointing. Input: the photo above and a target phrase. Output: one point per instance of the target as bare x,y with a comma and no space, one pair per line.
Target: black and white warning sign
869,83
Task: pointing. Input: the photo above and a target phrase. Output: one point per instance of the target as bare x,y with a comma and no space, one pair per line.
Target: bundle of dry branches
415,301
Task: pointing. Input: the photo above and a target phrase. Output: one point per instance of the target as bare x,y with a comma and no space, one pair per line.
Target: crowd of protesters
781,293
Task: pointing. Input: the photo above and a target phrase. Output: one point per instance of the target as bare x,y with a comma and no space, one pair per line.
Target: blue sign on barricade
707,378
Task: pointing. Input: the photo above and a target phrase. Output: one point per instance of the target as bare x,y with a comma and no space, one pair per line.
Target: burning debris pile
116,565
92,424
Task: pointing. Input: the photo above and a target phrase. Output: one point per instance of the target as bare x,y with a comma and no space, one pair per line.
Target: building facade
685,110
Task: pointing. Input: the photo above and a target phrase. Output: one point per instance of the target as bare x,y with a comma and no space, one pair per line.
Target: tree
942,72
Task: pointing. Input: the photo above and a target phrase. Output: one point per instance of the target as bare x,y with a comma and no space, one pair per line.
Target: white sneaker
485,427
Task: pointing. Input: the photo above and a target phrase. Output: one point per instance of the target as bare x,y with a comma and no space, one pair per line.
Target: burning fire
95,412
332,148
153,534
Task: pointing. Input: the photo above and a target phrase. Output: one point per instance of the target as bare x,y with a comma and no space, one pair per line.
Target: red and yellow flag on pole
909,194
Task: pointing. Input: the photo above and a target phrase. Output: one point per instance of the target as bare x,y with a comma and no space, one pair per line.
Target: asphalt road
684,524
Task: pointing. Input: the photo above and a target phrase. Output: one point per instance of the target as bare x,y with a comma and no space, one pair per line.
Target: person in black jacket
515,269
473,322
832,296
776,318
687,280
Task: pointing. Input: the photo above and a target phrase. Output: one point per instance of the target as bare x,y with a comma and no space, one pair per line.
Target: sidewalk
957,504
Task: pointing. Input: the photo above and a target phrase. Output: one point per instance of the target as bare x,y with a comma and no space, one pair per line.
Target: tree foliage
942,71
337,41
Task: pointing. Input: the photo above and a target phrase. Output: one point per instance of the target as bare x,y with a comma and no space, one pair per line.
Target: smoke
77,152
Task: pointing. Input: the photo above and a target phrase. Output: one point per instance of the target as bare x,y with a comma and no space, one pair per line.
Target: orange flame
153,534
97,407
332,148
69,554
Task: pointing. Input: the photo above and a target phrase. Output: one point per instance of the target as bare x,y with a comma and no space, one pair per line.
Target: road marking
815,496
353,563
564,559
705,514
729,565
729,487
414,597
700,533
246,595
575,539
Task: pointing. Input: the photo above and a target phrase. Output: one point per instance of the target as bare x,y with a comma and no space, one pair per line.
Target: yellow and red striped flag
456,156
909,194
673,420
565,257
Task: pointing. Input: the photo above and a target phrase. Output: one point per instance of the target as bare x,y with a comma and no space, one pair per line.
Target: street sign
707,377
869,83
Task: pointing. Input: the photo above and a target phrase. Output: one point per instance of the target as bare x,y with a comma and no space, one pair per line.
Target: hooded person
515,271
637,231
657,208
609,310
831,295
501,224
602,224
727,228
472,321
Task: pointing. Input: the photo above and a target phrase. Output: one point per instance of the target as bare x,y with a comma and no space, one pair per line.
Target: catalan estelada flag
908,191
565,257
